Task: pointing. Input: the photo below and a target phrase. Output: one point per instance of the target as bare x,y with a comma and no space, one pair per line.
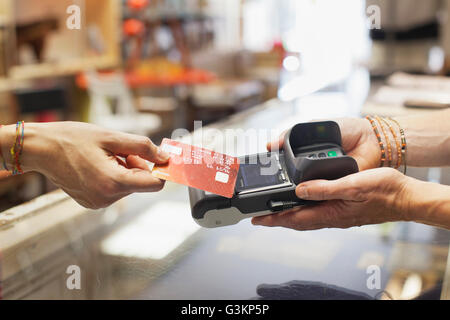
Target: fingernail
302,192
162,154
256,222
150,165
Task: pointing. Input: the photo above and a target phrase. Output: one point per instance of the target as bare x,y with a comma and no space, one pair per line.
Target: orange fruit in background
133,27
137,4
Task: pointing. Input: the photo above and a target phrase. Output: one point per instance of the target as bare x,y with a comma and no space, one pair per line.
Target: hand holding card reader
266,182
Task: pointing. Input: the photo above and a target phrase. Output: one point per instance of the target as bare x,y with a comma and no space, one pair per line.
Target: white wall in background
227,22
260,23
331,37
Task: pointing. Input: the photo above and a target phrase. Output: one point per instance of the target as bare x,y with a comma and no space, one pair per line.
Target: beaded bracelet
403,138
13,150
386,138
22,135
3,158
380,142
17,148
397,143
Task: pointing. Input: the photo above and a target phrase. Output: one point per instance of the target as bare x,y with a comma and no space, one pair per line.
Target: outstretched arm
86,161
428,139
378,195
368,197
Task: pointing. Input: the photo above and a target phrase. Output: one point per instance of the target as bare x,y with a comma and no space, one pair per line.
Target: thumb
124,144
320,190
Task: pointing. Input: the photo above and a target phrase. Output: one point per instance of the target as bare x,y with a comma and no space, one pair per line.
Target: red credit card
198,168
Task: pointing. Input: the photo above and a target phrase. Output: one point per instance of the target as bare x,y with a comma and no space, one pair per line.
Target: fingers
138,178
304,219
277,144
125,144
140,181
116,182
342,189
121,162
135,162
331,214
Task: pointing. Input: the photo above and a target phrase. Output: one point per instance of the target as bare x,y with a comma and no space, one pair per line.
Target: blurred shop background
150,67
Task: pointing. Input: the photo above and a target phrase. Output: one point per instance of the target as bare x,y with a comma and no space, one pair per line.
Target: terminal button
332,154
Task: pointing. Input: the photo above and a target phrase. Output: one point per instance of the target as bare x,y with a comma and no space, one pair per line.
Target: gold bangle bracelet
380,142
397,143
386,138
403,139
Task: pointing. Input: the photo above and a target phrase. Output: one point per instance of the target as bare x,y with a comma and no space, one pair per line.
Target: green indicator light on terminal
332,154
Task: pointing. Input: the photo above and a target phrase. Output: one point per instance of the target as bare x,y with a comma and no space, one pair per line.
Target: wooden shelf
61,68
103,15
